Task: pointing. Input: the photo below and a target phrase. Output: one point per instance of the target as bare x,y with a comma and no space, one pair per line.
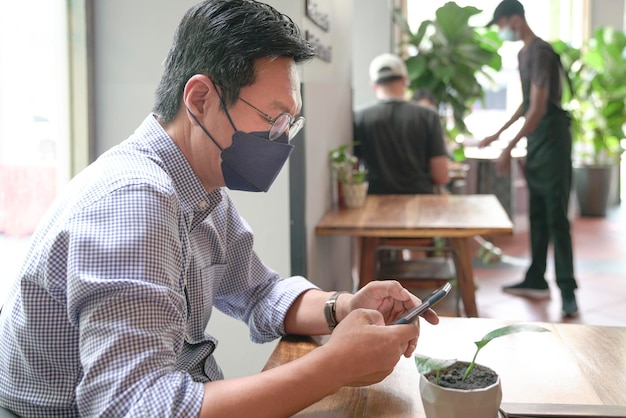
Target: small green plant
427,364
344,166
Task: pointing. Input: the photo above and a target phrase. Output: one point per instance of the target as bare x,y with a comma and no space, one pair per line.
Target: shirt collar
193,195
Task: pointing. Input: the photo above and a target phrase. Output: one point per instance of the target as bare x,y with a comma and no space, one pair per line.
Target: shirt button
203,204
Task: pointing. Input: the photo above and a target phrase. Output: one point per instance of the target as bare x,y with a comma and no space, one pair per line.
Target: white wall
607,13
328,106
360,30
372,36
131,40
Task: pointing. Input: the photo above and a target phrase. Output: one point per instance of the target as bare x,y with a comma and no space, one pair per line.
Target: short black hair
427,94
222,39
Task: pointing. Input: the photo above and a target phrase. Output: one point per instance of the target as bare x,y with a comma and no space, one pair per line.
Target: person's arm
436,150
536,111
361,351
439,170
518,114
306,315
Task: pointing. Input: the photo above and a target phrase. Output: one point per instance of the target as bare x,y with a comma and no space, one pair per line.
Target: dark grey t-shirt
397,140
539,64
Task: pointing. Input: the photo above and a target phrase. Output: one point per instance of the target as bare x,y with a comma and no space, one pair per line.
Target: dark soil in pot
452,377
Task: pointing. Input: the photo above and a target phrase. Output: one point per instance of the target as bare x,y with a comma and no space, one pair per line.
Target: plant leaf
448,55
509,329
500,332
427,364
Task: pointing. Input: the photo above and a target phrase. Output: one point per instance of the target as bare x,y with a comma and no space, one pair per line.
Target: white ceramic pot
440,402
354,194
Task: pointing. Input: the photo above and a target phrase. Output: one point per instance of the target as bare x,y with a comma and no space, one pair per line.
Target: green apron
549,179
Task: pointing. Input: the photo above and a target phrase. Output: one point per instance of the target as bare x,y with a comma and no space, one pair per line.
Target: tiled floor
600,266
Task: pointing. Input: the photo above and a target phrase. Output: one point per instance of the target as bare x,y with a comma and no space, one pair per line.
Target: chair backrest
5,413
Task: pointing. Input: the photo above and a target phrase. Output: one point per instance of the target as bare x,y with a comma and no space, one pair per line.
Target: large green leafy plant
597,72
450,57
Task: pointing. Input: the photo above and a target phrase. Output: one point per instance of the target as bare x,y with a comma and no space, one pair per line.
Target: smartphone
431,300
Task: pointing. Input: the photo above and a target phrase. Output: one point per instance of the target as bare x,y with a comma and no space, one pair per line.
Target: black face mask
252,162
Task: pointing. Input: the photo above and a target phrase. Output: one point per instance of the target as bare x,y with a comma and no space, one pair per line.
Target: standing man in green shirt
548,162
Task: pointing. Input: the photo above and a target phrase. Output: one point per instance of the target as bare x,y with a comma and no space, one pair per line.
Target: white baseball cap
386,67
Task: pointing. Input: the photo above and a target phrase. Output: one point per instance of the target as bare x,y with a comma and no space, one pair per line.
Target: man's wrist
331,313
342,305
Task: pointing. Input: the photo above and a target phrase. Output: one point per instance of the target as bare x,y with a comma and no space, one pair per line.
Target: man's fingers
431,317
410,348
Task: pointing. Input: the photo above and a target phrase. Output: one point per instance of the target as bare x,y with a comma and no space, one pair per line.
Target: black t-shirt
397,139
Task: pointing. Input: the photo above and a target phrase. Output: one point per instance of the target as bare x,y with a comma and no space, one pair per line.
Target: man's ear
199,95
516,22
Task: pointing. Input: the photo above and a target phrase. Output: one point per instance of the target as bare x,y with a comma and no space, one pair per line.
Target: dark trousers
549,223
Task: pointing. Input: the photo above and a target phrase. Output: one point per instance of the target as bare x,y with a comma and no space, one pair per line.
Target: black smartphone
431,300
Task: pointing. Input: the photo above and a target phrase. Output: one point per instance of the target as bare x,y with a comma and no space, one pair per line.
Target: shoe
570,307
523,289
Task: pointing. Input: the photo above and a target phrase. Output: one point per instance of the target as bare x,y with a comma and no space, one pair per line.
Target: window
36,123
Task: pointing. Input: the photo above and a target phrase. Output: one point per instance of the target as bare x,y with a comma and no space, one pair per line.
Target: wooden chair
428,265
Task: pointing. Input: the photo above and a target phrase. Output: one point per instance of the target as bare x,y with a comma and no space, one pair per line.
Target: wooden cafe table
574,369
457,217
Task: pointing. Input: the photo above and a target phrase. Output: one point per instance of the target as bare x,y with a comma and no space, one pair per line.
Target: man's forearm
531,121
306,315
534,114
278,392
518,114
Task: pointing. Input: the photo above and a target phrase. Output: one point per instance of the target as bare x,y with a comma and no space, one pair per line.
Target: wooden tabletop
384,217
573,364
419,216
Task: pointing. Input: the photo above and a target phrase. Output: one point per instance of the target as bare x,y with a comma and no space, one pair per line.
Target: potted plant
450,58
349,176
597,103
455,389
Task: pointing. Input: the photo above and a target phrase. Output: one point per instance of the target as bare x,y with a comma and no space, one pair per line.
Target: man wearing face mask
110,315
548,163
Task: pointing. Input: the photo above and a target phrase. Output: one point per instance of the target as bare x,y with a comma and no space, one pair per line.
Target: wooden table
457,217
574,365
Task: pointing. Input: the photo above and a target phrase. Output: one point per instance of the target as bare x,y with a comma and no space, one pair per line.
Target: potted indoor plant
597,102
349,176
455,389
450,58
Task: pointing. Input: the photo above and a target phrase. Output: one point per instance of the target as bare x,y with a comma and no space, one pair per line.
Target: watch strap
330,311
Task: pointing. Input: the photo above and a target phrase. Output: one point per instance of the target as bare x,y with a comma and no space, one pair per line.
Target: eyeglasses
280,123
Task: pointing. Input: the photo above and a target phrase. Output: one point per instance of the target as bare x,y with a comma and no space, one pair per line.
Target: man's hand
390,299
488,140
386,296
367,348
